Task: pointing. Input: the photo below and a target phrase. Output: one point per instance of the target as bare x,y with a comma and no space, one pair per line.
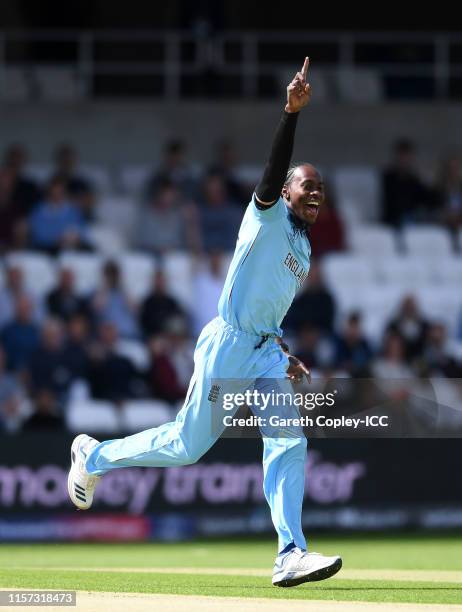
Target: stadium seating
372,240
86,268
105,240
426,240
38,270
94,416
133,178
138,415
135,351
178,268
357,193
137,271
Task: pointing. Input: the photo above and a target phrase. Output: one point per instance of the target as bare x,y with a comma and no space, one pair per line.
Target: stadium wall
121,132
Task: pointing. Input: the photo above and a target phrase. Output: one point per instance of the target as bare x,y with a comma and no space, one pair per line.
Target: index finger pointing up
306,63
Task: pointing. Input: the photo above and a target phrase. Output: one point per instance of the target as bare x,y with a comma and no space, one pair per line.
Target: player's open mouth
312,206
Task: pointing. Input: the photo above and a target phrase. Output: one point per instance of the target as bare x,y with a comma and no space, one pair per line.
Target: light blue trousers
224,354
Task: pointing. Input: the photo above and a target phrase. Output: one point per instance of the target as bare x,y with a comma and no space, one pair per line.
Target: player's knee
192,453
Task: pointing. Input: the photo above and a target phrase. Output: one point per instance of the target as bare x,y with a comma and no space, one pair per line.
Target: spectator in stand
411,327
158,307
9,294
353,350
20,337
75,351
62,301
13,230
168,222
26,192
436,354
112,377
56,223
47,415
208,285
47,367
220,220
11,397
405,197
79,188
225,166
314,305
449,192
391,365
173,169
112,304
172,362
328,234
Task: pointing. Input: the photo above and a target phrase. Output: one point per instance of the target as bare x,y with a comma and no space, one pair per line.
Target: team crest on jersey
214,392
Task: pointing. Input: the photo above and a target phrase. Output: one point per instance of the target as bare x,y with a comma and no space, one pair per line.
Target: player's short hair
291,172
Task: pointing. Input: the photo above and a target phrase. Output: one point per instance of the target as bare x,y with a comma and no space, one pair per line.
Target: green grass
24,566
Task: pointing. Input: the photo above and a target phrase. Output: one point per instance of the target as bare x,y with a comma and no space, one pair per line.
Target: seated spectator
354,353
172,362
158,307
47,366
111,376
314,305
328,233
20,337
9,294
225,166
13,231
75,350
168,222
79,188
437,358
11,396
405,197
449,192
46,416
56,223
391,365
63,302
113,305
207,288
219,218
173,169
411,326
25,193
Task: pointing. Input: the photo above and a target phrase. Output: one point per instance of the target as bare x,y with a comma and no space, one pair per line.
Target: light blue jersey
270,263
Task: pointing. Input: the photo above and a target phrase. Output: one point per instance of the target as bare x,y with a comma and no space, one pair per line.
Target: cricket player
243,342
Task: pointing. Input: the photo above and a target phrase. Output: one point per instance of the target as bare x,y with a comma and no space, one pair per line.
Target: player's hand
297,370
298,90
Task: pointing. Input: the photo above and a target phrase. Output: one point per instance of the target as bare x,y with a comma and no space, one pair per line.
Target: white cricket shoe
298,566
80,484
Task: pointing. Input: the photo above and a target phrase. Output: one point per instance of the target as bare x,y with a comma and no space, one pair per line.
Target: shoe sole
320,574
74,450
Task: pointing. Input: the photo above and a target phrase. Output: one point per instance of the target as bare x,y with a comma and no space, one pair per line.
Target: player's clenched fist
298,90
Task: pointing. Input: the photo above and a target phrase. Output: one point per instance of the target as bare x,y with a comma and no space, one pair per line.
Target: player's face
305,194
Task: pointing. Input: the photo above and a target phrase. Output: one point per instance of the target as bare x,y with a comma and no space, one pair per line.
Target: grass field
398,569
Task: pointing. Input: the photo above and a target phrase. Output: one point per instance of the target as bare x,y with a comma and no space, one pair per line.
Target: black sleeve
270,186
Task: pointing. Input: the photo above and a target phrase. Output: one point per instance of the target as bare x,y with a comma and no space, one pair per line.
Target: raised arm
270,186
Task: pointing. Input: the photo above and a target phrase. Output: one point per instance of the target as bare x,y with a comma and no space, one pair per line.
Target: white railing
244,55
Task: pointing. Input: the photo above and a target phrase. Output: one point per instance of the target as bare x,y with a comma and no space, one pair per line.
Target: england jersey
270,263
